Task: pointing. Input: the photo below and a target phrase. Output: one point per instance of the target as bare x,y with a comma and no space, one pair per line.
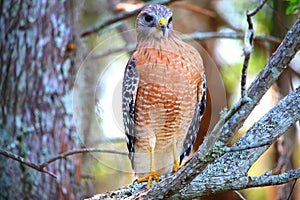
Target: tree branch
79,151
266,180
41,167
27,163
237,183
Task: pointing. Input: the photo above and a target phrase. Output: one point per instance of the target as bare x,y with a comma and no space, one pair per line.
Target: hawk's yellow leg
152,174
176,165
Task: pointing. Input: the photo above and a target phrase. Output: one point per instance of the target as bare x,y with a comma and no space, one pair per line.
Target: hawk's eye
170,20
148,18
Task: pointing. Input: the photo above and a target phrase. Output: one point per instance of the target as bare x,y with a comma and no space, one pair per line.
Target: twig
119,17
78,151
253,12
27,163
248,45
41,166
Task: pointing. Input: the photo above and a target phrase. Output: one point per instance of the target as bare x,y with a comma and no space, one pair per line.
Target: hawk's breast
166,96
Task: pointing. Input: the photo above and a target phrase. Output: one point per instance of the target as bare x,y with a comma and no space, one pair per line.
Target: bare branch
253,12
266,180
27,163
64,155
79,151
248,46
238,183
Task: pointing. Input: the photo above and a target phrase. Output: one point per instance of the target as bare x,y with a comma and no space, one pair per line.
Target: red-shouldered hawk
163,96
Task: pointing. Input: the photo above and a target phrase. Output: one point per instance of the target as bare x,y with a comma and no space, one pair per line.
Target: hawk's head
154,21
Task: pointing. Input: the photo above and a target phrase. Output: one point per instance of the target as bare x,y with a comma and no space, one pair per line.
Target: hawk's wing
191,135
129,90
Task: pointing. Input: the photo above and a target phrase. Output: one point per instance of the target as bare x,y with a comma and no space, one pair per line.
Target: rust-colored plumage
163,96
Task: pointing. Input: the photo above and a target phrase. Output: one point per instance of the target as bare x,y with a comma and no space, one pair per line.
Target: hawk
163,96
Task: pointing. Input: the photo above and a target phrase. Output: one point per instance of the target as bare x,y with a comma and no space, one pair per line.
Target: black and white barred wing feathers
129,90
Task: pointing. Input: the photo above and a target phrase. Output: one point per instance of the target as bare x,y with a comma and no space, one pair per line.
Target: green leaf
294,7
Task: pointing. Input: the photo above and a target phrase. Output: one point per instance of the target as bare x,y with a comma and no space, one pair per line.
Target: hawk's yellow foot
152,175
176,165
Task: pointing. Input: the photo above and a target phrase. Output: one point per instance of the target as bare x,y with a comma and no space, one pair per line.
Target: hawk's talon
153,175
135,181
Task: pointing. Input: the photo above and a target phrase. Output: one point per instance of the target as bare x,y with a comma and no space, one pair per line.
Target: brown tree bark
37,64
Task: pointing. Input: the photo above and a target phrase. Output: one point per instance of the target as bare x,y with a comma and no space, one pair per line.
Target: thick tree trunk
36,82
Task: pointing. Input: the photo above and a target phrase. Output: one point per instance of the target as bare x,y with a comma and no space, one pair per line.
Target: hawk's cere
163,96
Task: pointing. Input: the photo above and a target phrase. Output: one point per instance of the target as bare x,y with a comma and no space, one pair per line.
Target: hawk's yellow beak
162,21
163,24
